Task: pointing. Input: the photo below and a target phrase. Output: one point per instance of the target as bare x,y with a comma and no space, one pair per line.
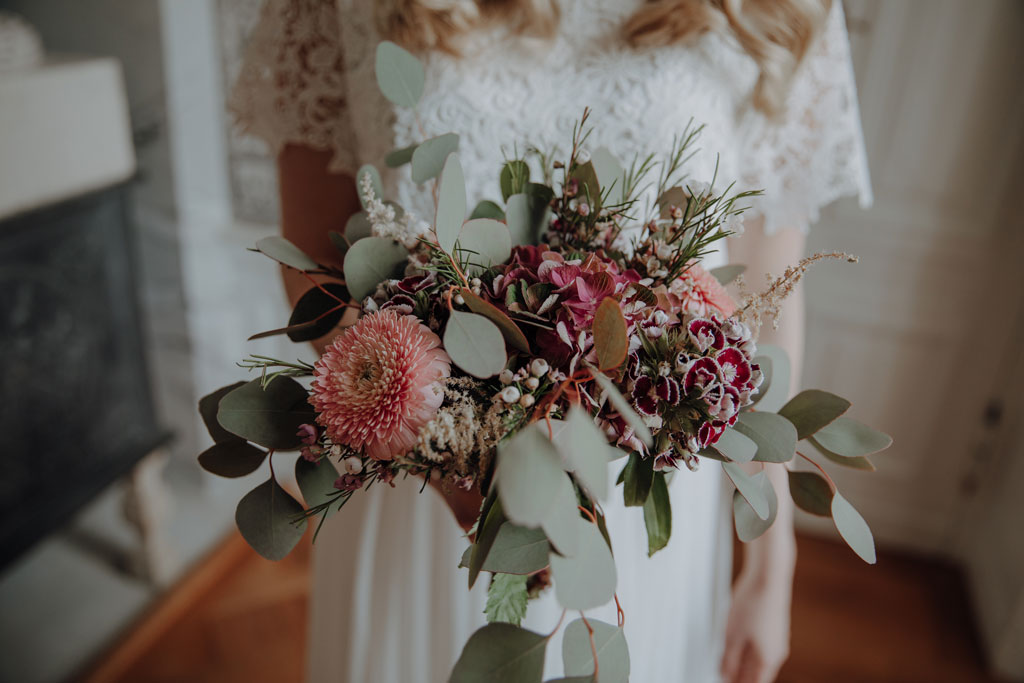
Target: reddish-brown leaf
610,339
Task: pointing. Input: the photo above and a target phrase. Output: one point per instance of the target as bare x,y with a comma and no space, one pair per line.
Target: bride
772,83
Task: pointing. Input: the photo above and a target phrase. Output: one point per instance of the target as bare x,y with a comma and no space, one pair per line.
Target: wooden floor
240,618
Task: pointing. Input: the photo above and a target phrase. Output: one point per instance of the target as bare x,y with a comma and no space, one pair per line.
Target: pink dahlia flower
699,293
377,384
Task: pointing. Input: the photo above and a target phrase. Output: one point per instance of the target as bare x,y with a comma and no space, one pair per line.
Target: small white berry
353,465
510,394
526,401
539,367
505,376
459,300
532,383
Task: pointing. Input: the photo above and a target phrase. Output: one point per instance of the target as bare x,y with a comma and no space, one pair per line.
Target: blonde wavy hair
775,33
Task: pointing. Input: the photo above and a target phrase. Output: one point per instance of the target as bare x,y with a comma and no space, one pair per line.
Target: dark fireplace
77,411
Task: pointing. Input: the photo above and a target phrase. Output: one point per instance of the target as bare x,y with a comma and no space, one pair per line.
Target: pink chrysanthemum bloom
699,293
378,384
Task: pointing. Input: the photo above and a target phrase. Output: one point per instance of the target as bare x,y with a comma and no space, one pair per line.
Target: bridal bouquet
518,353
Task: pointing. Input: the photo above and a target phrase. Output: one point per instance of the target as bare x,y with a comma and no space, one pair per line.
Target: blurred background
126,205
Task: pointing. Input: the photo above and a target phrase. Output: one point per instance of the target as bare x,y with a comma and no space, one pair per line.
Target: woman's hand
465,505
757,634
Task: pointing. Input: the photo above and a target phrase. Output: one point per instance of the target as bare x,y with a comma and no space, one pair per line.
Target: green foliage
749,488
749,525
774,435
851,439
589,187
611,341
735,446
587,579
585,450
515,175
475,344
620,404
637,478
451,204
400,75
811,493
812,410
657,515
526,217
338,241
506,599
774,391
317,312
232,458
728,274
268,416
855,463
609,174
509,330
563,522
491,518
357,227
400,157
488,209
316,482
853,528
484,242
369,262
284,252
270,520
208,406
501,653
528,475
610,644
513,549
429,158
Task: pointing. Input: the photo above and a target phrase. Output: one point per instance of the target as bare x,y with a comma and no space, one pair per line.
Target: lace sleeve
291,88
815,154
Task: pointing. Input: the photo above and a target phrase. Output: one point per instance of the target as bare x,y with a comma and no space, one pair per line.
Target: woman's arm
757,634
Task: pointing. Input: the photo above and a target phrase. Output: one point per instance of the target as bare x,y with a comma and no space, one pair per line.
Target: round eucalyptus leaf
283,251
748,488
853,528
451,203
357,227
509,330
369,262
748,525
266,518
774,391
232,458
515,550
429,158
515,175
375,182
501,653
528,475
585,450
269,416
400,157
525,215
488,241
856,463
314,314
852,439
475,344
610,174
812,409
399,74
488,209
208,406
563,522
316,481
735,446
811,493
610,644
587,579
774,435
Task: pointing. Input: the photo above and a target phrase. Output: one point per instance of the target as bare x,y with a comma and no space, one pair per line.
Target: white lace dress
389,605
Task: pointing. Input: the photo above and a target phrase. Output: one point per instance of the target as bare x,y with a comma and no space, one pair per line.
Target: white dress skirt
389,604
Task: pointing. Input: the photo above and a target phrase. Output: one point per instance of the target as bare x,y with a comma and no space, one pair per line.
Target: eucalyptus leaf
857,463
316,481
266,518
735,446
488,209
853,528
749,525
774,435
492,517
774,391
657,515
475,344
208,406
528,475
585,451
268,416
400,75
609,643
451,204
563,522
610,174
489,242
611,340
357,227
812,409
637,478
368,170
515,175
514,550
339,242
748,488
317,312
501,653
506,599
284,252
232,458
728,274
509,330
587,579
369,262
811,493
400,157
525,216
622,406
429,158
851,439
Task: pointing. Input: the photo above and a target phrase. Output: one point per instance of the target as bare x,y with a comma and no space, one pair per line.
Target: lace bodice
308,78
